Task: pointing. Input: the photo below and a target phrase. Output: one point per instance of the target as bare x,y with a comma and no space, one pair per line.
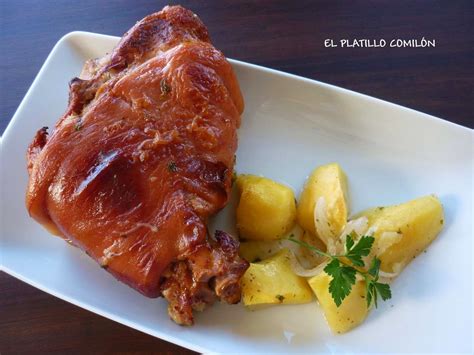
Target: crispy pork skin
143,155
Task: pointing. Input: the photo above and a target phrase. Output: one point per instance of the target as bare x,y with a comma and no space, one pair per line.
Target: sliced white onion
359,226
388,275
397,269
321,221
333,247
296,232
299,270
371,231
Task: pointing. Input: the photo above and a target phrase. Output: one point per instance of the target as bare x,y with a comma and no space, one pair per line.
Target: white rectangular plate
391,154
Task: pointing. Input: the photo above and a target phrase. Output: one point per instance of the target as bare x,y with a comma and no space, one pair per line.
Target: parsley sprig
343,269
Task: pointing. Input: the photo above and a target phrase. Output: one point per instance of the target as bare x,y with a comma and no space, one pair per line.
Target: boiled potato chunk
352,311
256,250
330,182
266,209
404,231
272,281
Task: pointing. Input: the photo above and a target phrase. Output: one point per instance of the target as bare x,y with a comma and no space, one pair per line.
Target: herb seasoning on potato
352,261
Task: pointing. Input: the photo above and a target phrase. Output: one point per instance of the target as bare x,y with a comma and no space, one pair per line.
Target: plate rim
280,73
157,333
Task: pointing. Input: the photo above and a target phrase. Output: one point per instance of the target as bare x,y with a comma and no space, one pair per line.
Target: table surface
284,35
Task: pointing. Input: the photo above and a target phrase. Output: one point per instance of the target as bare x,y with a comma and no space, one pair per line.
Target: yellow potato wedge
256,250
272,281
404,231
330,182
352,311
266,209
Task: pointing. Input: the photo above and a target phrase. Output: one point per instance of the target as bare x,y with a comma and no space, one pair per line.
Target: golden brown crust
35,147
144,153
212,271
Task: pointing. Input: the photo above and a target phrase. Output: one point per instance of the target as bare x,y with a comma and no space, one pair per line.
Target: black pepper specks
280,298
172,167
165,87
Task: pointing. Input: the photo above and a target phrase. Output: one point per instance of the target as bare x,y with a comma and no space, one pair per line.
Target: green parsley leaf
360,249
343,277
349,242
374,289
371,294
374,268
384,290
343,273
